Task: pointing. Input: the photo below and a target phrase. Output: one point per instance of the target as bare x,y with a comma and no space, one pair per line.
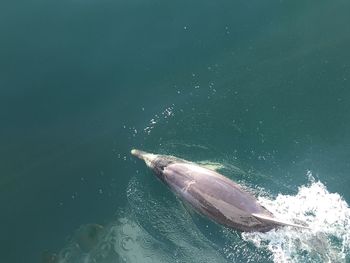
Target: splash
328,216
165,114
156,227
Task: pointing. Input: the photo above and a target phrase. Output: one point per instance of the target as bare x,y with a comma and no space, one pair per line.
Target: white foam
328,216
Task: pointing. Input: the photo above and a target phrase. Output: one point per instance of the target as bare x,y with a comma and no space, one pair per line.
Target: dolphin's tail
272,220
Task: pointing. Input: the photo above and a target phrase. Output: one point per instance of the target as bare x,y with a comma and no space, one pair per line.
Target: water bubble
127,243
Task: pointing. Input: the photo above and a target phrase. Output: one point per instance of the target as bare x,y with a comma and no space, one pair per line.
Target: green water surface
263,85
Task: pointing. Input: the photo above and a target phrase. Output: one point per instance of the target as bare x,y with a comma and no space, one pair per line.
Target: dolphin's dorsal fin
211,165
272,220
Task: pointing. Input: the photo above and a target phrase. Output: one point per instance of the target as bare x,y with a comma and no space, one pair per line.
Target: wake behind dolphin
212,194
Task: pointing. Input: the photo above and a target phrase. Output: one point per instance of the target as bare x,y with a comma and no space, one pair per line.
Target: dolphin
212,194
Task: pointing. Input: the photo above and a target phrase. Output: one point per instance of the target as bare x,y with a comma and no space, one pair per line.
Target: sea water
256,89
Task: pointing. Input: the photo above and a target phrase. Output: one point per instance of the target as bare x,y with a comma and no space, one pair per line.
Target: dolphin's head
157,163
149,158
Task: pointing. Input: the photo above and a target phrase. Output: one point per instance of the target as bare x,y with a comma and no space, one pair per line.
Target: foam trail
328,216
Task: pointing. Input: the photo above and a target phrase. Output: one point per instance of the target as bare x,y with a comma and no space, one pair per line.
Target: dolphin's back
216,196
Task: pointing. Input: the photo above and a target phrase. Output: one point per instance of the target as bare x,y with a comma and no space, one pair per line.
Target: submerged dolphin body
211,194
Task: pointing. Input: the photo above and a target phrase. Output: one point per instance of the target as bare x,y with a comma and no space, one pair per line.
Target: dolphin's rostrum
211,193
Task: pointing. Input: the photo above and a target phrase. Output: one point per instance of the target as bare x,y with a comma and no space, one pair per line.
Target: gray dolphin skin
212,194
